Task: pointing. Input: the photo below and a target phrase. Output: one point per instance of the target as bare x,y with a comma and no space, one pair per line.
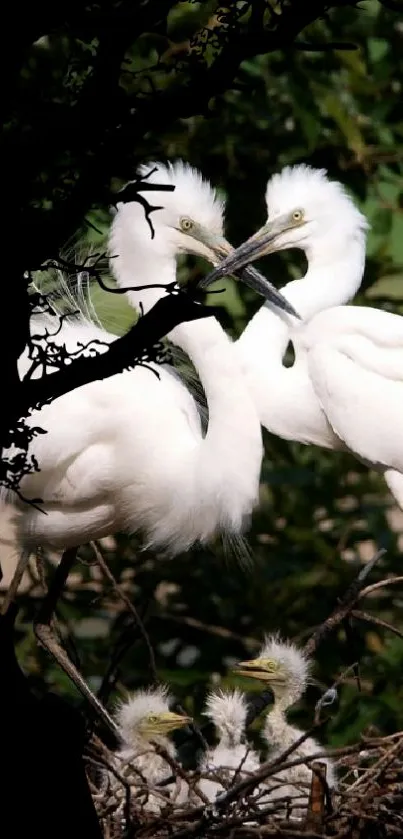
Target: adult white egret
228,711
285,669
306,211
343,388
144,719
128,453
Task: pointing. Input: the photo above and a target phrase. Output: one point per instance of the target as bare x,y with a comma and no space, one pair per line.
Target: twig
344,607
132,609
212,629
374,771
49,639
177,769
390,581
364,616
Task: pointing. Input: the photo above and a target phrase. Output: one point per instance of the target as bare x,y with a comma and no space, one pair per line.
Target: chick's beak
235,262
173,720
255,668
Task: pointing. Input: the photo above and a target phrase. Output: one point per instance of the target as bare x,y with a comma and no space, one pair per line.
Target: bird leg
48,638
15,582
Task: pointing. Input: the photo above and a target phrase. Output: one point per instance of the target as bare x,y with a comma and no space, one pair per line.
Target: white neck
138,745
230,455
276,730
327,283
139,260
286,698
230,737
276,720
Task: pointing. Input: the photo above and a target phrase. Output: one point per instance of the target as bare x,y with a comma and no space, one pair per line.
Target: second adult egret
345,387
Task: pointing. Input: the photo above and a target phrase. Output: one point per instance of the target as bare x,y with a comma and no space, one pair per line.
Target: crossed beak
237,261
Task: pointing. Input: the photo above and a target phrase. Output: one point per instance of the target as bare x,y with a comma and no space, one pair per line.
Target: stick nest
367,803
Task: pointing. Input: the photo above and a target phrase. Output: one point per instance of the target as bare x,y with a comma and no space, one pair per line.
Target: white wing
355,362
106,436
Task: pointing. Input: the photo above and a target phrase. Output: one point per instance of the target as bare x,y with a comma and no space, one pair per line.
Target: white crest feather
131,711
293,660
228,711
193,196
304,188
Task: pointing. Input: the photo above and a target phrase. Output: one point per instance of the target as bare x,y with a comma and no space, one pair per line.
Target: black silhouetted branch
123,354
98,130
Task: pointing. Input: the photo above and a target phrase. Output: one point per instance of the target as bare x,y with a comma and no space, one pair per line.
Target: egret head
228,711
192,215
146,716
305,210
190,219
281,665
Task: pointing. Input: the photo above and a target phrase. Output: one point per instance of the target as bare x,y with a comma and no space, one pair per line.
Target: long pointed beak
177,719
235,262
265,670
255,280
253,669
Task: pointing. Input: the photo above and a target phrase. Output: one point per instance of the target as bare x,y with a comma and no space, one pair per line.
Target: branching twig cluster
71,368
104,126
370,773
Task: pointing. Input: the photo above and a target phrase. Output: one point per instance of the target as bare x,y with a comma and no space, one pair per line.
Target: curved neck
147,263
230,454
328,282
138,259
276,719
277,389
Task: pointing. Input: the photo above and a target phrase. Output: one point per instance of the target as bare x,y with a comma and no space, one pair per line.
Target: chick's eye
186,224
297,215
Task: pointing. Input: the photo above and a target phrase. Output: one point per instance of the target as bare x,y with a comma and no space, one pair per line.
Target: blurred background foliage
322,514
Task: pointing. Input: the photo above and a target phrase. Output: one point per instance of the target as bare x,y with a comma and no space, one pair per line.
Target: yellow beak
171,721
265,670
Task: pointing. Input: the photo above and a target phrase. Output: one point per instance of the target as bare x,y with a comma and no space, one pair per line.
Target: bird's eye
152,718
186,224
297,215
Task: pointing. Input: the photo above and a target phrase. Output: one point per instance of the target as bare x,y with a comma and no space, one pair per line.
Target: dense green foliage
322,514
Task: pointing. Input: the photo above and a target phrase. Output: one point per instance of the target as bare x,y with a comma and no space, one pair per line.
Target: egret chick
228,712
144,719
285,669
